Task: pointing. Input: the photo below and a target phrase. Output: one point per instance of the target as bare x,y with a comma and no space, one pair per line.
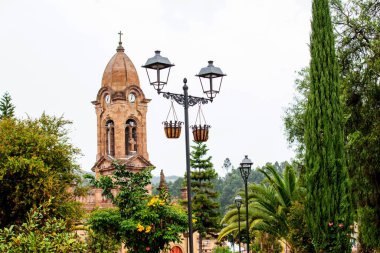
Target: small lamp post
245,170
238,201
155,65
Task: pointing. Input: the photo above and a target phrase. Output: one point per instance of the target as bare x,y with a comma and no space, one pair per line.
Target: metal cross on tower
120,33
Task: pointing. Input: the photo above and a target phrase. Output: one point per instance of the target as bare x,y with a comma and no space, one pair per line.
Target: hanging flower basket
172,129
200,132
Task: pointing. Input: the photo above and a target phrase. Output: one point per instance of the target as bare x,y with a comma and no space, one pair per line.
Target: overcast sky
53,54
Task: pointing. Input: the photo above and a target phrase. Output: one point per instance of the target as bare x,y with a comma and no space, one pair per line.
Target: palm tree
268,202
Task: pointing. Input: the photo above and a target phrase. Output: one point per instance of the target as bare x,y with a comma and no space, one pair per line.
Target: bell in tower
121,109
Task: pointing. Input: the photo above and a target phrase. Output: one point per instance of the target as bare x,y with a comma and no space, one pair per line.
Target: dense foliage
37,163
100,242
269,204
144,223
327,203
204,197
40,233
298,235
357,25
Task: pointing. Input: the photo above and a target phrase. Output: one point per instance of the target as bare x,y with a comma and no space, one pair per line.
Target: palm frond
268,204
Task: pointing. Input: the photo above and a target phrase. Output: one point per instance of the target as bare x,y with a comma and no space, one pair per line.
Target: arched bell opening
110,138
131,145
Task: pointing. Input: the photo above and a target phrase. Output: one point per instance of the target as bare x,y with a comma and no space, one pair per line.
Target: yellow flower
152,201
148,228
194,220
140,228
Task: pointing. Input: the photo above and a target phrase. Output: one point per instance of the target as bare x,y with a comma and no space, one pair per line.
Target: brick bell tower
121,109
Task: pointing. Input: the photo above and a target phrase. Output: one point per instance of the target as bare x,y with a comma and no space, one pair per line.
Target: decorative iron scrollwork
180,98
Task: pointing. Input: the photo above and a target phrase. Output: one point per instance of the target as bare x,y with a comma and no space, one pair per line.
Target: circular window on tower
132,97
107,98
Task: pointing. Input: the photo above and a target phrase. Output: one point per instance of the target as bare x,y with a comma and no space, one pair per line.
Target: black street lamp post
238,201
245,170
156,64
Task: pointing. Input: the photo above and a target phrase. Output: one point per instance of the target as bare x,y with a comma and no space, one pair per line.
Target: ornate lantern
245,168
238,201
155,65
211,72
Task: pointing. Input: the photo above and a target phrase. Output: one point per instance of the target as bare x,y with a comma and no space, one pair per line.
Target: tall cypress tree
204,203
328,206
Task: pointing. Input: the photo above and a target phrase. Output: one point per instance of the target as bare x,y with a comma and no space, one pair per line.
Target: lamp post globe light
158,66
245,170
238,201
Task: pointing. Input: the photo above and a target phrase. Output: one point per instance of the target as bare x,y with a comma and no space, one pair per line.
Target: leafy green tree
144,223
6,107
328,212
37,163
358,24
204,204
40,233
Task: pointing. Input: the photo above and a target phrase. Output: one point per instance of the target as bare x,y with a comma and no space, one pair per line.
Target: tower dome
120,72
